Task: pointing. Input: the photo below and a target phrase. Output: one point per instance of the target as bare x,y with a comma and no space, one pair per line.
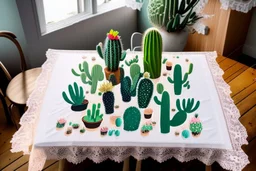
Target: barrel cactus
112,53
131,119
145,91
152,49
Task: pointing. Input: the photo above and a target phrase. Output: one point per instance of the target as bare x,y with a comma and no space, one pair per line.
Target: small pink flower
62,121
194,120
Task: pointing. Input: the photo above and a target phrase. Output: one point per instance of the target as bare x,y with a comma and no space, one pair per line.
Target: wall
10,20
143,22
80,36
250,43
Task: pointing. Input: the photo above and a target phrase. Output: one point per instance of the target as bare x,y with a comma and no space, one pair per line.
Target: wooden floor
240,77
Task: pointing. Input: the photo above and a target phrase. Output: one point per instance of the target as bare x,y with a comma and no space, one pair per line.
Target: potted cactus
195,126
173,19
93,118
77,98
112,54
107,97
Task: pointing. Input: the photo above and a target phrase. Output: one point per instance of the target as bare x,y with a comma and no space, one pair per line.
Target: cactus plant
112,77
195,126
177,80
131,119
172,15
152,49
77,97
180,117
93,78
190,69
145,91
132,61
125,89
108,97
93,118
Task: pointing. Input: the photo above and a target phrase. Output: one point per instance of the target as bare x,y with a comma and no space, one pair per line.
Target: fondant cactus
145,91
195,126
152,48
112,53
190,69
125,89
132,61
108,97
177,80
136,76
131,119
112,77
90,78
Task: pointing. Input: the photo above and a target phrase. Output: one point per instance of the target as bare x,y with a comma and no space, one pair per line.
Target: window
57,14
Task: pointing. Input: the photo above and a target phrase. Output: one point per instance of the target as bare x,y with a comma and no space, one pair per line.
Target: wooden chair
20,87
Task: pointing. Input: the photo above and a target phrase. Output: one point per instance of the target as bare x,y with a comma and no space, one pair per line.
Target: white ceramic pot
175,41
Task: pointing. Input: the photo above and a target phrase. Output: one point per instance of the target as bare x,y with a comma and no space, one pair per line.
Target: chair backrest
12,37
5,78
136,40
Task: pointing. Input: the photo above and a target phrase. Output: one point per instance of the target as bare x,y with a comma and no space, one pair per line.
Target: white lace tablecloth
234,159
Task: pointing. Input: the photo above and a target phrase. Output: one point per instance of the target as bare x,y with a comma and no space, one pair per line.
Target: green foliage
93,115
177,80
112,53
172,15
132,61
90,78
145,92
152,49
76,96
131,119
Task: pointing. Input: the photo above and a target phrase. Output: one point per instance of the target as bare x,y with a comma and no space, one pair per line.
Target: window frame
91,10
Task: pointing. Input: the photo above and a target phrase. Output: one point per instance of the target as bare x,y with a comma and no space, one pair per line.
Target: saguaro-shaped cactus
112,53
152,48
178,79
145,91
90,78
131,119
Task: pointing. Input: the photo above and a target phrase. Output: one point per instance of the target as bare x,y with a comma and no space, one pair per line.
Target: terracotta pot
81,107
91,125
116,73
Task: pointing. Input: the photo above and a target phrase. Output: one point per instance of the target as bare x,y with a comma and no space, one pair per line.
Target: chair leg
15,115
6,111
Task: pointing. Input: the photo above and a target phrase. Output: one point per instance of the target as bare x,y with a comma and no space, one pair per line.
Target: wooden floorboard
241,79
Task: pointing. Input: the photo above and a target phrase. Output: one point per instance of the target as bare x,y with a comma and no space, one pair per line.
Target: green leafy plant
172,15
93,115
76,96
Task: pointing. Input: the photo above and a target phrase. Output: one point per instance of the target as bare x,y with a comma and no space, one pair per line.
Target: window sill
83,16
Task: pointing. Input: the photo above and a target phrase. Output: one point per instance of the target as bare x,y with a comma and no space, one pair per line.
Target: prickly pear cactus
112,53
195,126
145,91
131,119
152,49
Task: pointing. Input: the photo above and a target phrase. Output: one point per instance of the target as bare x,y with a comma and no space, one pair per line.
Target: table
216,136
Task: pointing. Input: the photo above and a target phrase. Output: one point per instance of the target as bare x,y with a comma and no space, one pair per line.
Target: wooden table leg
138,165
63,165
208,168
126,164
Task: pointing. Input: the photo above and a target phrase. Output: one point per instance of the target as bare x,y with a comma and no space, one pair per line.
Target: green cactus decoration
91,79
190,70
132,61
125,89
160,88
177,79
195,126
136,76
112,54
118,122
134,70
168,14
145,91
93,115
131,119
112,77
180,117
152,49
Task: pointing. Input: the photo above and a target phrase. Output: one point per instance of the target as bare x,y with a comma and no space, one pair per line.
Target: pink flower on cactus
195,119
113,35
62,121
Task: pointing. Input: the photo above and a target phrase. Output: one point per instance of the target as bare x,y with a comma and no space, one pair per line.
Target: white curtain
238,5
134,4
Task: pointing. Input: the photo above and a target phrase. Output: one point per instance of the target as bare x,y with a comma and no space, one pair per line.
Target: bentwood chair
22,85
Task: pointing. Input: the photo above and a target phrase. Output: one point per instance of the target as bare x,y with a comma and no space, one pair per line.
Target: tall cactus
112,53
168,14
152,48
178,79
180,117
145,91
90,78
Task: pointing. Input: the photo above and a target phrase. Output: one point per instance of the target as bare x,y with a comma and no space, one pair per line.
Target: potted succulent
93,118
195,126
60,123
107,97
145,129
77,98
112,55
173,19
75,125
